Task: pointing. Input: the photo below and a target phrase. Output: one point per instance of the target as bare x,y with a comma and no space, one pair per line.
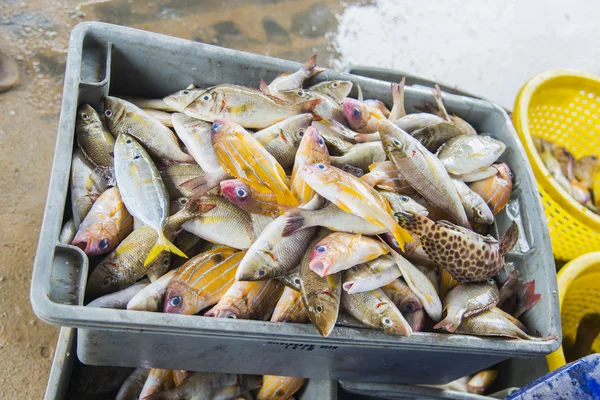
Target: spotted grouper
466,255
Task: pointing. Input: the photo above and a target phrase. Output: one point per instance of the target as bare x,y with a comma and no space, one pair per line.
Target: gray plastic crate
106,58
65,360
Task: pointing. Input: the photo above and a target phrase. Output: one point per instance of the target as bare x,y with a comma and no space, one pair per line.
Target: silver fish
150,298
178,101
295,80
195,134
360,155
371,275
476,208
327,108
478,175
403,203
337,90
119,299
87,184
466,153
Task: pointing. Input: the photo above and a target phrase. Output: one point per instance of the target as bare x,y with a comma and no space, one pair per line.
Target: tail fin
360,94
294,222
307,107
162,244
528,300
509,239
447,324
398,110
367,137
437,93
264,87
310,67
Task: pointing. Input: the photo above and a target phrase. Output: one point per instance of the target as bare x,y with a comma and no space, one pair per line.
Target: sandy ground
489,49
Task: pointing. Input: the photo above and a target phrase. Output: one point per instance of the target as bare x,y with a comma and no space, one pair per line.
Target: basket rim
521,122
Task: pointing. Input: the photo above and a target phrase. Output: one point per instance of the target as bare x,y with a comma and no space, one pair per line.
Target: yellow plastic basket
578,295
563,107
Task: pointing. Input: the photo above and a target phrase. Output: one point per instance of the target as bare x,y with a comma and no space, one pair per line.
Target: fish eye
409,307
321,166
206,97
297,281
137,156
103,244
319,308
175,301
216,126
396,243
301,132
334,84
231,316
128,141
261,272
167,261
321,142
511,174
108,113
356,112
85,116
241,193
300,93
183,201
386,321
321,249
106,282
404,198
186,92
396,142
480,213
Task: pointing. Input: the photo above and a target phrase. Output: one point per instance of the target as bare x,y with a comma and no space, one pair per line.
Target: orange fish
244,157
496,190
279,387
290,308
312,150
202,281
105,225
248,300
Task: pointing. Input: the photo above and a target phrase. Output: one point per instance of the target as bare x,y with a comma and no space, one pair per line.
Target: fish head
339,89
114,109
356,113
105,278
391,320
239,193
257,265
312,147
323,308
504,171
483,215
97,238
129,150
206,104
297,127
416,319
411,206
179,299
325,255
395,140
180,100
222,312
295,95
319,172
87,117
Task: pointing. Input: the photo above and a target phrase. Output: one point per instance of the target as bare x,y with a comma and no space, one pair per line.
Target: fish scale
290,308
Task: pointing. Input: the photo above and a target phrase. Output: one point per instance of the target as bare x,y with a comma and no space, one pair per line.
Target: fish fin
162,244
360,93
437,94
310,67
509,239
307,107
447,325
264,87
528,300
284,74
294,222
398,111
199,186
402,236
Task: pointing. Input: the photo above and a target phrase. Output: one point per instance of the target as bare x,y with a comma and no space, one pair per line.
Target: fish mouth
347,286
321,268
82,244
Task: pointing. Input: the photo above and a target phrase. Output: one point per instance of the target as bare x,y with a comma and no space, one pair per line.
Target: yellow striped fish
251,200
248,300
105,225
354,196
202,281
290,308
312,150
279,387
245,158
143,191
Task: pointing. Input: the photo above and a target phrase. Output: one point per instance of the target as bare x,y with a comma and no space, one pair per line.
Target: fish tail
162,244
447,324
308,107
509,239
264,87
401,235
528,300
294,222
367,137
310,67
398,110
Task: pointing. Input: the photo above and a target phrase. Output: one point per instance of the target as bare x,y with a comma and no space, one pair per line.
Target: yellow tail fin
162,244
402,236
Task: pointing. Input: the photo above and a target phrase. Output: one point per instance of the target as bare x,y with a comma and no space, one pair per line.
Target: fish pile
295,204
166,384
580,178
